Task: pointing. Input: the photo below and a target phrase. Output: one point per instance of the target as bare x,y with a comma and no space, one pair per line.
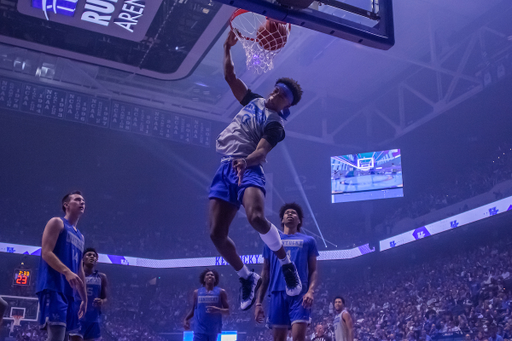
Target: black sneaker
248,290
292,279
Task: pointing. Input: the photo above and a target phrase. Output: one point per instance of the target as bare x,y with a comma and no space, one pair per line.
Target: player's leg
280,333
278,316
221,215
56,332
299,330
300,317
92,331
53,314
254,203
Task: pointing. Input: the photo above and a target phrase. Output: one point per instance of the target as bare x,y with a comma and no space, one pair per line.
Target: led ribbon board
185,262
476,214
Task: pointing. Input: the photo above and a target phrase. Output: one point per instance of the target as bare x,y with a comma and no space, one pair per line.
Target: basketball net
16,322
260,45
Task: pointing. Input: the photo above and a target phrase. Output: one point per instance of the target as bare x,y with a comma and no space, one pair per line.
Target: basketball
272,35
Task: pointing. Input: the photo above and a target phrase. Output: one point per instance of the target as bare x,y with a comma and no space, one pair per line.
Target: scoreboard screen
22,277
366,176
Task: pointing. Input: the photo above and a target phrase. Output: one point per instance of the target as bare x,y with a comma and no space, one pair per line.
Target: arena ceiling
445,53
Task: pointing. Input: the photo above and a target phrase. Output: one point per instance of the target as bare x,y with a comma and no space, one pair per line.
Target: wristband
258,304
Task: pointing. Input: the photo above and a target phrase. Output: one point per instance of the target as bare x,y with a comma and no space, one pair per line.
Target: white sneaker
248,290
292,279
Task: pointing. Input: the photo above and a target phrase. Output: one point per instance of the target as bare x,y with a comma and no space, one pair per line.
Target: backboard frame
11,308
381,36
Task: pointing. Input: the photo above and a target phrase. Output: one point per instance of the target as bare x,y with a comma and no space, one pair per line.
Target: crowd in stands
467,296
153,242
476,178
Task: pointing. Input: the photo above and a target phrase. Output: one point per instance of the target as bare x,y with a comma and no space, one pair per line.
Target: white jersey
340,327
242,135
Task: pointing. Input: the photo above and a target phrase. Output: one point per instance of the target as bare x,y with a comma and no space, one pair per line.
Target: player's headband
288,94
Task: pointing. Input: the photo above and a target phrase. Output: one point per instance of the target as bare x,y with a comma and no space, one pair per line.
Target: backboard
164,39
366,22
28,307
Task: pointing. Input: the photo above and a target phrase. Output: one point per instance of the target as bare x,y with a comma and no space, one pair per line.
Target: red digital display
22,277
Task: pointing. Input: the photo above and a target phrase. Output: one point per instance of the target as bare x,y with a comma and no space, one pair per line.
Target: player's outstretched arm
259,312
237,86
186,322
50,235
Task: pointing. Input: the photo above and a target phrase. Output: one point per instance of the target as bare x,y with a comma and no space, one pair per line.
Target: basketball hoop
262,38
17,320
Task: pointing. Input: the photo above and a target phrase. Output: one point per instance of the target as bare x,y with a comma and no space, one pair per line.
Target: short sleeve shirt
242,135
300,248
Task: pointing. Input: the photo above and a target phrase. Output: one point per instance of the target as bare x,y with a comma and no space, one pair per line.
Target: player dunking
96,284
285,312
244,145
210,303
61,272
343,325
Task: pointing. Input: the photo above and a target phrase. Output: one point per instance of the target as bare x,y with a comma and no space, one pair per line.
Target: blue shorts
205,337
225,183
58,309
89,330
284,310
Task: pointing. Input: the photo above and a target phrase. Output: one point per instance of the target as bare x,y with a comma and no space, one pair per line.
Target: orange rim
241,11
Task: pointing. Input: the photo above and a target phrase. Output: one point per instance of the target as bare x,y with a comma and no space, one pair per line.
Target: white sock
272,238
285,260
244,272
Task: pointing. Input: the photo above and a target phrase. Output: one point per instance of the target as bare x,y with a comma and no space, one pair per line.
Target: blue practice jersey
207,323
69,249
300,248
93,282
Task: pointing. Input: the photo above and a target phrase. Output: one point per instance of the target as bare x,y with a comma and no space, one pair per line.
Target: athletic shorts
225,183
205,337
58,310
89,330
284,310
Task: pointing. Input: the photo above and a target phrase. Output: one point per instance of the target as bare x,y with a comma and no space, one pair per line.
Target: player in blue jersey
286,312
244,145
96,284
210,303
60,284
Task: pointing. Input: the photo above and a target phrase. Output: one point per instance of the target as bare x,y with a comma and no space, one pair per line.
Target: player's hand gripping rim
232,38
